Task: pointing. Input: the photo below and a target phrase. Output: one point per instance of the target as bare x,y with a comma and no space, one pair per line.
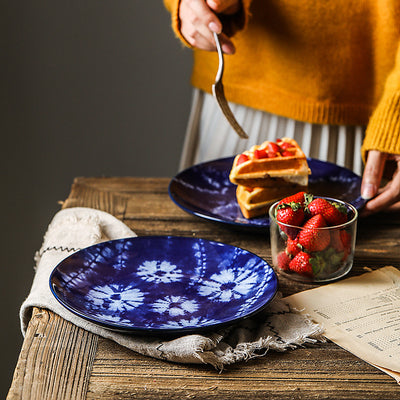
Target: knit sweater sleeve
383,130
240,20
173,7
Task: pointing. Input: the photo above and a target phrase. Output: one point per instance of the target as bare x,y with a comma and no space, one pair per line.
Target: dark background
88,88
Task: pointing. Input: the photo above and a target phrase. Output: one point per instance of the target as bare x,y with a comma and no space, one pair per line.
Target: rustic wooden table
60,361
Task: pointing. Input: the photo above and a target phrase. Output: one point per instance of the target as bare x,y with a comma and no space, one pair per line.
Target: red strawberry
273,148
287,153
311,237
336,241
283,260
307,264
333,213
285,145
242,158
260,153
292,246
290,214
295,198
302,264
345,238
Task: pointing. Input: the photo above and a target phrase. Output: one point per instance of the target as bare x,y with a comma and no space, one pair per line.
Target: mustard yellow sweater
327,61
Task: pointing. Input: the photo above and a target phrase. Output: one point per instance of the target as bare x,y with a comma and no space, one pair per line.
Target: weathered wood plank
125,184
321,372
55,361
153,205
85,196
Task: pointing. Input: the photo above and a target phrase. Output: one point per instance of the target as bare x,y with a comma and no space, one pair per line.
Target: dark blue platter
204,190
163,284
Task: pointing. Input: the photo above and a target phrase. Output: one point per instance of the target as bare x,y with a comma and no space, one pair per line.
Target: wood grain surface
61,361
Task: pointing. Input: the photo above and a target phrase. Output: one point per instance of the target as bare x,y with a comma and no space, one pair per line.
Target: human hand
199,21
388,197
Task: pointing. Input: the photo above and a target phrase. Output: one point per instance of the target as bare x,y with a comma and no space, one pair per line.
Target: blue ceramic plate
205,190
163,284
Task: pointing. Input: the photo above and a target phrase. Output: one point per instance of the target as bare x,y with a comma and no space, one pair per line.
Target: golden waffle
287,167
255,202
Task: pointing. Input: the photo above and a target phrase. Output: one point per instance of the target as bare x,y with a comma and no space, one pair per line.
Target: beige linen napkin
276,328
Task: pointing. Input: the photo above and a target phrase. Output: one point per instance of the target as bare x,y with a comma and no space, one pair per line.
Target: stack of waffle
268,172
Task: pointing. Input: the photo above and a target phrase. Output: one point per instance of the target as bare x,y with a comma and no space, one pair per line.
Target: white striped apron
209,136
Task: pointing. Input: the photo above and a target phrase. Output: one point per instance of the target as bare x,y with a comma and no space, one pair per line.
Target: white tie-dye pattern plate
163,284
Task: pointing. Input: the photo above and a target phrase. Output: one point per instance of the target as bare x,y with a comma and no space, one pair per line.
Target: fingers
394,207
198,22
372,174
228,7
386,198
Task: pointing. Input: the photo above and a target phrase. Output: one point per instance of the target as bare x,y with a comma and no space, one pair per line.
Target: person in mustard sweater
326,73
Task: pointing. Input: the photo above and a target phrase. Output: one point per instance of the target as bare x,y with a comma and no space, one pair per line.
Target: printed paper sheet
360,314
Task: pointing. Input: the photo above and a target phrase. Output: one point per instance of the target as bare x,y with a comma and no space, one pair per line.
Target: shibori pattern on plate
163,283
276,327
204,190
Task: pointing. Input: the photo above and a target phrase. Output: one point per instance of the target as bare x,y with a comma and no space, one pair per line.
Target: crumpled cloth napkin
276,328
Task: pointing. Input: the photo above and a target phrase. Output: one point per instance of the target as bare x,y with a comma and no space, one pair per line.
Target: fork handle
220,57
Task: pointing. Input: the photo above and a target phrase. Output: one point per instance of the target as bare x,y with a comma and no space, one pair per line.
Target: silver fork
218,92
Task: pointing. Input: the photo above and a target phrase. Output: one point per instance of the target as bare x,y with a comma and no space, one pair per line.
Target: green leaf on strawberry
318,264
332,260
